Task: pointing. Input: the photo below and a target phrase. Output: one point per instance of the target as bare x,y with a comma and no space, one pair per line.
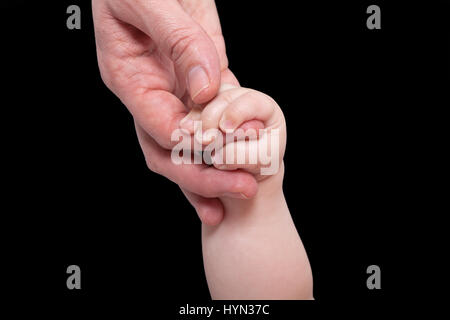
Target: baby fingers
259,156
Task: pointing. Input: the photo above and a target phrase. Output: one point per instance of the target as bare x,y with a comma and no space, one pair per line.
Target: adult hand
159,56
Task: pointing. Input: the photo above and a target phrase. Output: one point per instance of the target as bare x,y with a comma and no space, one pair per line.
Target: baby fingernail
227,125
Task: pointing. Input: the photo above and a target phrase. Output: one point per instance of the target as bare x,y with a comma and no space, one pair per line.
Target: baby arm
256,252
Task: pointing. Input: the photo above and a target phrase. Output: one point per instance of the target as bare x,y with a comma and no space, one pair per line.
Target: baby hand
226,128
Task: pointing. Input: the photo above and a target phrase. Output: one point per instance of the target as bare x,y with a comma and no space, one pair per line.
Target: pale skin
255,252
150,53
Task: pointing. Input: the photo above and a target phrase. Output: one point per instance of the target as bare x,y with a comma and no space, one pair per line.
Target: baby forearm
256,253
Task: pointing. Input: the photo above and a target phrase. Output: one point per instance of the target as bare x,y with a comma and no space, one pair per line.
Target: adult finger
201,179
180,38
209,210
204,12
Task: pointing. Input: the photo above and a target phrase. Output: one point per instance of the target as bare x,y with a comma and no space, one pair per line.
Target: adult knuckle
179,42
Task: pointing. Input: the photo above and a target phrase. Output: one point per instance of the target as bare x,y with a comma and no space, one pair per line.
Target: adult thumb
180,38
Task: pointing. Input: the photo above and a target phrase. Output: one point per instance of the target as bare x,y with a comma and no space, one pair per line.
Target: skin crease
146,50
255,253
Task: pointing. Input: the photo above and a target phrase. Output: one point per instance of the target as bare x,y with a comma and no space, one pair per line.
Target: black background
357,103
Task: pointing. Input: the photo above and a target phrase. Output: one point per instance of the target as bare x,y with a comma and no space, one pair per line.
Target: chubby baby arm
256,252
